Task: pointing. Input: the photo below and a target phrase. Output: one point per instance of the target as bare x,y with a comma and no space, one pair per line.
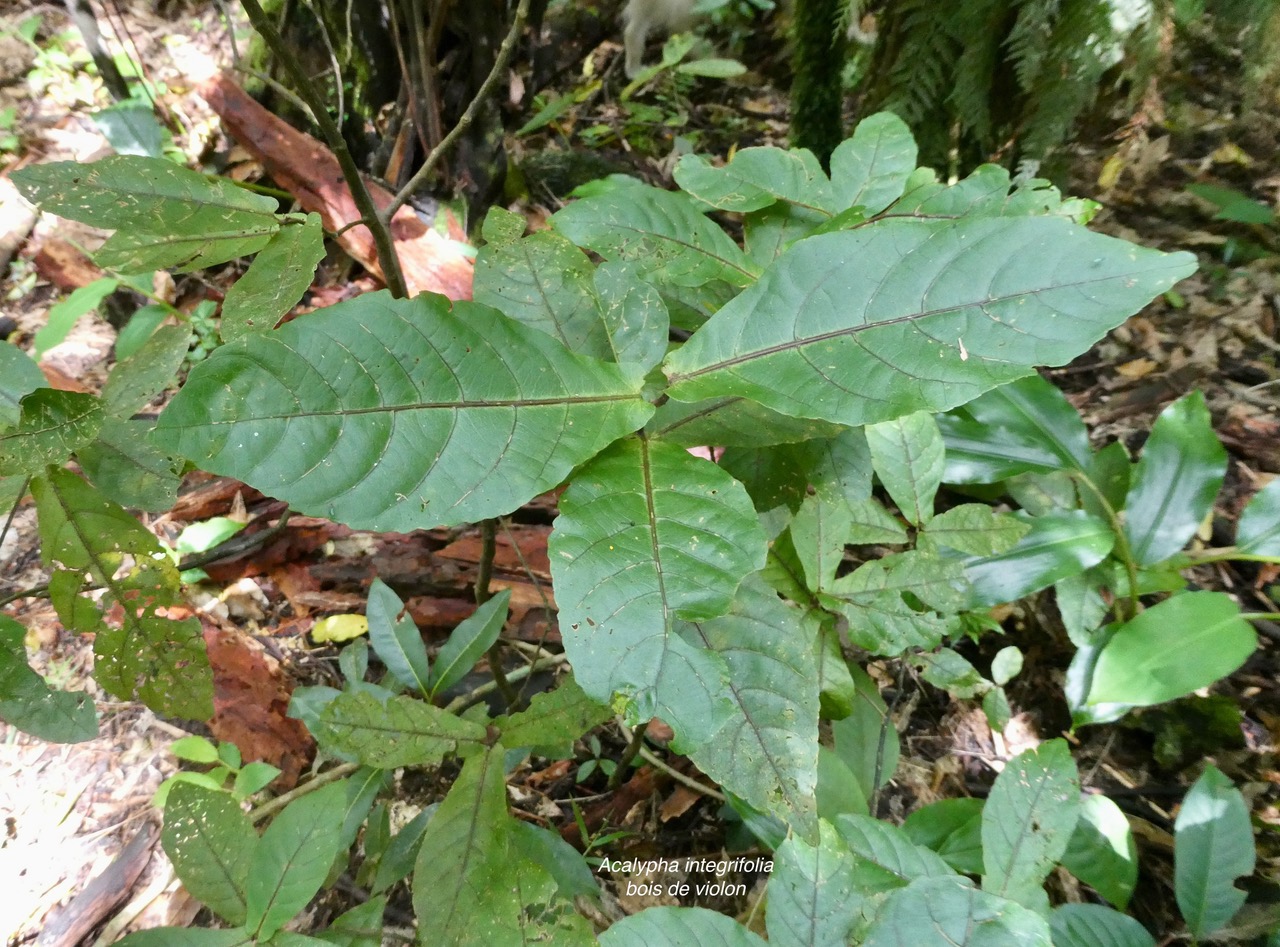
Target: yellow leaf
340,628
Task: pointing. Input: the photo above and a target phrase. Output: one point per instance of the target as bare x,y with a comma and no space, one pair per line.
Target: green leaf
952,672
398,414
906,315
884,857
977,453
769,232
1028,820
396,638
1102,852
1175,482
293,858
165,215
839,791
662,232
755,178
275,281
1178,646
468,641
1033,412
634,315
124,464
1232,205
553,718
836,690
140,327
30,705
881,619
951,911
1006,665
64,315
572,875
194,749
953,829
732,422
1258,532
188,937
130,127
1110,471
359,927
871,169
874,525
157,659
253,778
394,866
1058,545
812,898
137,379
54,425
907,454
678,927
866,739
771,476
19,375
819,531
766,752
973,528
1212,847
211,843
1095,925
1081,606
648,533
404,732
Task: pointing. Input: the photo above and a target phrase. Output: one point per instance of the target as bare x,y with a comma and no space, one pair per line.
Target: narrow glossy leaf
812,899
137,379
755,178
866,739
359,927
1102,852
30,705
732,422
280,273
64,314
870,169
402,852
1095,925
899,316
648,533
819,531
973,528
293,857
19,375
140,327
1110,471
404,732
953,829
396,414
211,843
977,453
766,752
884,857
469,641
1057,546
836,690
158,659
951,911
1034,411
907,454
1028,820
553,718
662,232
1258,531
396,638
874,525
1213,846
573,876
678,927
634,315
1178,646
53,425
1045,494
1175,482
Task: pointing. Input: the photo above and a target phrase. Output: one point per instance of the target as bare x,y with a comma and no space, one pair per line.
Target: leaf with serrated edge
275,281
468,641
148,371
1095,925
973,528
679,927
1028,820
755,178
396,638
812,898
907,454
399,414
648,533
1212,847
553,718
53,425
871,168
403,732
766,753
899,316
951,911
211,842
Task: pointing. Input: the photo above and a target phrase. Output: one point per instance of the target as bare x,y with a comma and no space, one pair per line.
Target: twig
633,748
461,703
484,573
874,802
310,786
378,225
687,781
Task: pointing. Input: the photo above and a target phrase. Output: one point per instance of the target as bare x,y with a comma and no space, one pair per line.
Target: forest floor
79,858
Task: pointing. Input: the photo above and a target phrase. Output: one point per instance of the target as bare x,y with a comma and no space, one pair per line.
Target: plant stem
647,755
1123,549
484,572
1261,616
377,224
311,785
1224,554
461,703
490,81
628,755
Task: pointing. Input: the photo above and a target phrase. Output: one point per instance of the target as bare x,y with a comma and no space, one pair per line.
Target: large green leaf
767,751
275,281
395,414
53,425
812,899
679,927
1027,822
396,638
158,659
1102,852
29,704
951,911
870,169
1033,412
1095,925
293,858
1057,546
884,857
900,316
165,215
19,375
1258,531
973,528
1213,846
403,732
648,533
1178,646
123,463
733,422
189,937
907,454
553,718
1175,482
885,622
755,178
211,843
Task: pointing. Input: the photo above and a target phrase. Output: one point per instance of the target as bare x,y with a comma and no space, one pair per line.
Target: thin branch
488,550
321,779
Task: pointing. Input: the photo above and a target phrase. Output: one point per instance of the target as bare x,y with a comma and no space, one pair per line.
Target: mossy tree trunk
816,91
